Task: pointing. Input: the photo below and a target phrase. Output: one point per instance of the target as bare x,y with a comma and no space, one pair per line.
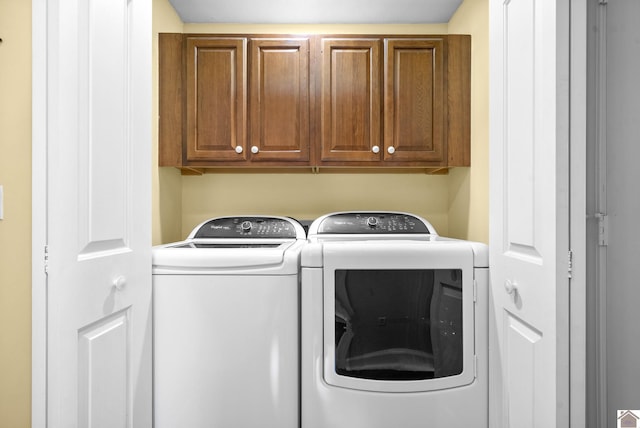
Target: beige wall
15,229
456,204
166,182
307,196
469,187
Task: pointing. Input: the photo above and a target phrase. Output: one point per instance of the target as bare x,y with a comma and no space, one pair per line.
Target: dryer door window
398,316
398,325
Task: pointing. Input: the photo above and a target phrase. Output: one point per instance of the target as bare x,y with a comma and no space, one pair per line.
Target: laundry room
202,208
560,304
454,199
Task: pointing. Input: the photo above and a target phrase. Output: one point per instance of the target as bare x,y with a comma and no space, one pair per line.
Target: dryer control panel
247,227
372,223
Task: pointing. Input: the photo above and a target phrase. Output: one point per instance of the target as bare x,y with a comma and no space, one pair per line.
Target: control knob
372,222
246,226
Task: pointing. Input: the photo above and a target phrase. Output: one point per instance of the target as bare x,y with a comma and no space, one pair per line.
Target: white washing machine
394,325
226,325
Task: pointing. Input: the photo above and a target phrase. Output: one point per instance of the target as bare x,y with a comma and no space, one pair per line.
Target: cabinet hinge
46,259
603,229
570,264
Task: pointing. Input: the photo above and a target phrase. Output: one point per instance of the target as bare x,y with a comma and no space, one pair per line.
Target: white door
98,155
529,229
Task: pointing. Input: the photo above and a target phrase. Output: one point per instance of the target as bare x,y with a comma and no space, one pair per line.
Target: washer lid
249,227
281,257
256,244
371,223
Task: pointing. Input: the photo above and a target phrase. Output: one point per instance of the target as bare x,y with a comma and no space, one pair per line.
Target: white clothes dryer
394,325
226,325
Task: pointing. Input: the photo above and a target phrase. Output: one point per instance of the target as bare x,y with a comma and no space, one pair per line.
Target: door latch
603,229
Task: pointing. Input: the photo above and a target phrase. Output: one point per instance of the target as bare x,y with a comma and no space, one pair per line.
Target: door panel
279,85
98,213
350,100
519,124
520,346
105,146
529,213
415,100
216,99
104,350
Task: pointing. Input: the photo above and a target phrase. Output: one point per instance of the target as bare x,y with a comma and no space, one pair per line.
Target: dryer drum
398,324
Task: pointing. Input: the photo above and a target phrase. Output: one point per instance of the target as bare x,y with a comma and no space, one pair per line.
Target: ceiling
316,11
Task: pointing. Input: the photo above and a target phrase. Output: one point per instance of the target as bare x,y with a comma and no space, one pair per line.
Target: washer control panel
372,223
248,227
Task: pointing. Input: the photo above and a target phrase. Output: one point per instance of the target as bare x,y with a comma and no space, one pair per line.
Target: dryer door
399,317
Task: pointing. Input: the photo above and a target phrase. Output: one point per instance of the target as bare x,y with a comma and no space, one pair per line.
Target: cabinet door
216,99
350,100
414,100
279,99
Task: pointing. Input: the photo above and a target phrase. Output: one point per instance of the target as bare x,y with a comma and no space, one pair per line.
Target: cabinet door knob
375,149
255,149
391,150
238,149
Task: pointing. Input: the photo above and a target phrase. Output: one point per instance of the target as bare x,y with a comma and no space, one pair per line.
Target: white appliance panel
325,405
365,272
226,325
205,348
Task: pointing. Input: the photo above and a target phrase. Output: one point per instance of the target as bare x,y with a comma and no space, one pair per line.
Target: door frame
39,217
577,214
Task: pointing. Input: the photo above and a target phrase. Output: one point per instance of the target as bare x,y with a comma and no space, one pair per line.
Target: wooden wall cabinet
415,105
216,99
315,101
350,97
279,100
233,101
